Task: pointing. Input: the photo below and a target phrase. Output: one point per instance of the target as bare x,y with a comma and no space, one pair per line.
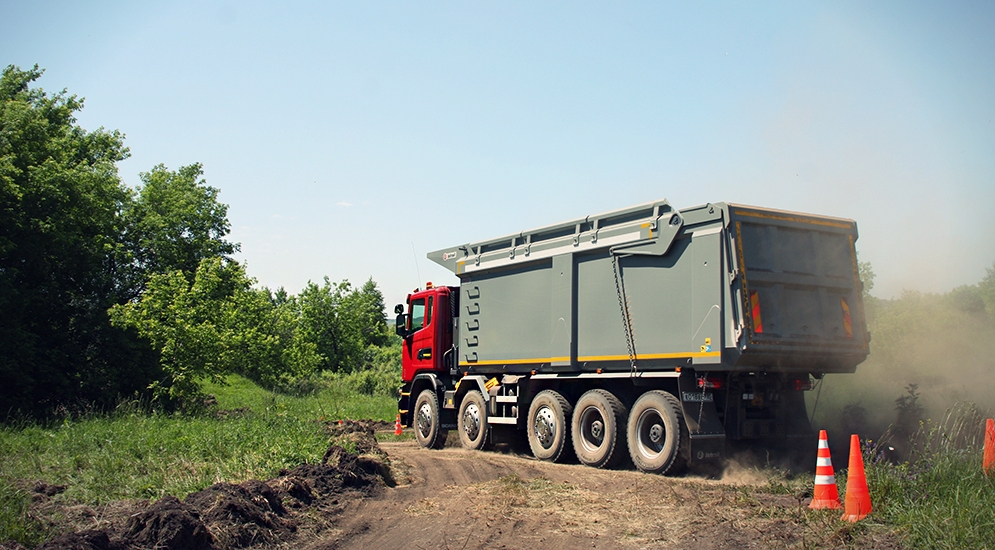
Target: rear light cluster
803,384
847,323
758,324
710,383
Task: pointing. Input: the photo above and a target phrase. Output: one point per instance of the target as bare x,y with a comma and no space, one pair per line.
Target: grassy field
132,453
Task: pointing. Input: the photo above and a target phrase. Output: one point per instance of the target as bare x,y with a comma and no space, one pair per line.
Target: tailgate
800,290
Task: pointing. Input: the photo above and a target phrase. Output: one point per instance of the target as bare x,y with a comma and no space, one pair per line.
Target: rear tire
426,421
472,421
598,429
548,425
658,438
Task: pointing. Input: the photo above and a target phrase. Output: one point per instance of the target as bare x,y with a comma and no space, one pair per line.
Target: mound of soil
252,513
171,524
342,427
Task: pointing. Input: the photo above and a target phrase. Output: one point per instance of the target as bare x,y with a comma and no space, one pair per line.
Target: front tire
548,425
472,421
427,423
598,430
658,438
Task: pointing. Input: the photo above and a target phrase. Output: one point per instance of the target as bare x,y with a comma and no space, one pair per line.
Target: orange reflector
758,325
847,325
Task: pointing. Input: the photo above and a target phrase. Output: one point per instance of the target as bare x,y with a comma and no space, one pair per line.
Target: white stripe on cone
825,480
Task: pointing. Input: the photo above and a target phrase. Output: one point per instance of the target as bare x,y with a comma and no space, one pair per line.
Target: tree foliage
174,222
60,247
986,289
213,324
866,273
75,241
106,290
341,321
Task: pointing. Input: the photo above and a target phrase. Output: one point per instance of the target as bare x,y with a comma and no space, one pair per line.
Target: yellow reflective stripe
679,355
847,324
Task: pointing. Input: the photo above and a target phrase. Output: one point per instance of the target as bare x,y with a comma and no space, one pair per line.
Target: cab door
419,346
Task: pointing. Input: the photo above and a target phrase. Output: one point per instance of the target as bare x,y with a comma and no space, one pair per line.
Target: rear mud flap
708,436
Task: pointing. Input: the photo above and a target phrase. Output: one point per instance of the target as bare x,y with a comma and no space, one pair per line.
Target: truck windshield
417,314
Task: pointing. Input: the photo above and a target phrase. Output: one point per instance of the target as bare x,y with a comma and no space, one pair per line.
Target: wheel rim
650,433
592,428
545,427
424,420
471,421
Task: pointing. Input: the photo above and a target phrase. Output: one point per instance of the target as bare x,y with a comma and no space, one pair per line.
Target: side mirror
400,324
399,309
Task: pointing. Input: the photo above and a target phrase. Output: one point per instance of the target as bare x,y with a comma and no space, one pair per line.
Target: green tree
866,273
214,324
332,328
60,254
174,222
367,307
986,289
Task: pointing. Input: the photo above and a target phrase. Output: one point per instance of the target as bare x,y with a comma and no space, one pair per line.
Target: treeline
109,292
929,352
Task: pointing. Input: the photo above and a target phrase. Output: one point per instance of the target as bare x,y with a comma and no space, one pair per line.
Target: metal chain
623,304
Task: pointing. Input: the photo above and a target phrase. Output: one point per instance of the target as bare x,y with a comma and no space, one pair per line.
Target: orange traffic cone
825,494
857,503
397,425
988,465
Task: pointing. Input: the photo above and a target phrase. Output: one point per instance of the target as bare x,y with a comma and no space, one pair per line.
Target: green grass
133,453
942,500
16,523
939,498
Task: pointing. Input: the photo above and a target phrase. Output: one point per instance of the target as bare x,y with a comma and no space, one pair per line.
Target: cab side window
417,318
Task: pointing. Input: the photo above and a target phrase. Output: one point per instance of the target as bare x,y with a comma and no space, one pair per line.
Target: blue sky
349,139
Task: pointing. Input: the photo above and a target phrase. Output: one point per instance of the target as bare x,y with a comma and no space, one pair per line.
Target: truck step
500,420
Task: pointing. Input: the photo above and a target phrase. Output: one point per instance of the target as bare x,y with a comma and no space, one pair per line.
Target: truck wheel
428,425
658,438
597,429
472,422
548,430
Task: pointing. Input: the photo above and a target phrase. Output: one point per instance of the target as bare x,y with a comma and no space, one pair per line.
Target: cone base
853,518
825,504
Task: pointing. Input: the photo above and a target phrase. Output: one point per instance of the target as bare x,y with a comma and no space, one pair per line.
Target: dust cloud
929,354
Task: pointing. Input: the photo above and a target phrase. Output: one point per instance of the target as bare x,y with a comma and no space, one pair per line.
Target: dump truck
651,333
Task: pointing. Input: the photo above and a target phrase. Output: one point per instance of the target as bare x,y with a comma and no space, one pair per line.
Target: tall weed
939,497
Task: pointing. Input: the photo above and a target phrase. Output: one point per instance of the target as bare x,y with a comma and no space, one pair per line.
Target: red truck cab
427,331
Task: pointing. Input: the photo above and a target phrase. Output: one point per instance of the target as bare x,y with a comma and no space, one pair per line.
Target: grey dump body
647,289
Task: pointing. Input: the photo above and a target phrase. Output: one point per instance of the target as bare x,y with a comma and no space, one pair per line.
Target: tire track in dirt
462,499
453,500
384,522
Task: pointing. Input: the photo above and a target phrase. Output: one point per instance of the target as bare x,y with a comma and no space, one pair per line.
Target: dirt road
453,498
